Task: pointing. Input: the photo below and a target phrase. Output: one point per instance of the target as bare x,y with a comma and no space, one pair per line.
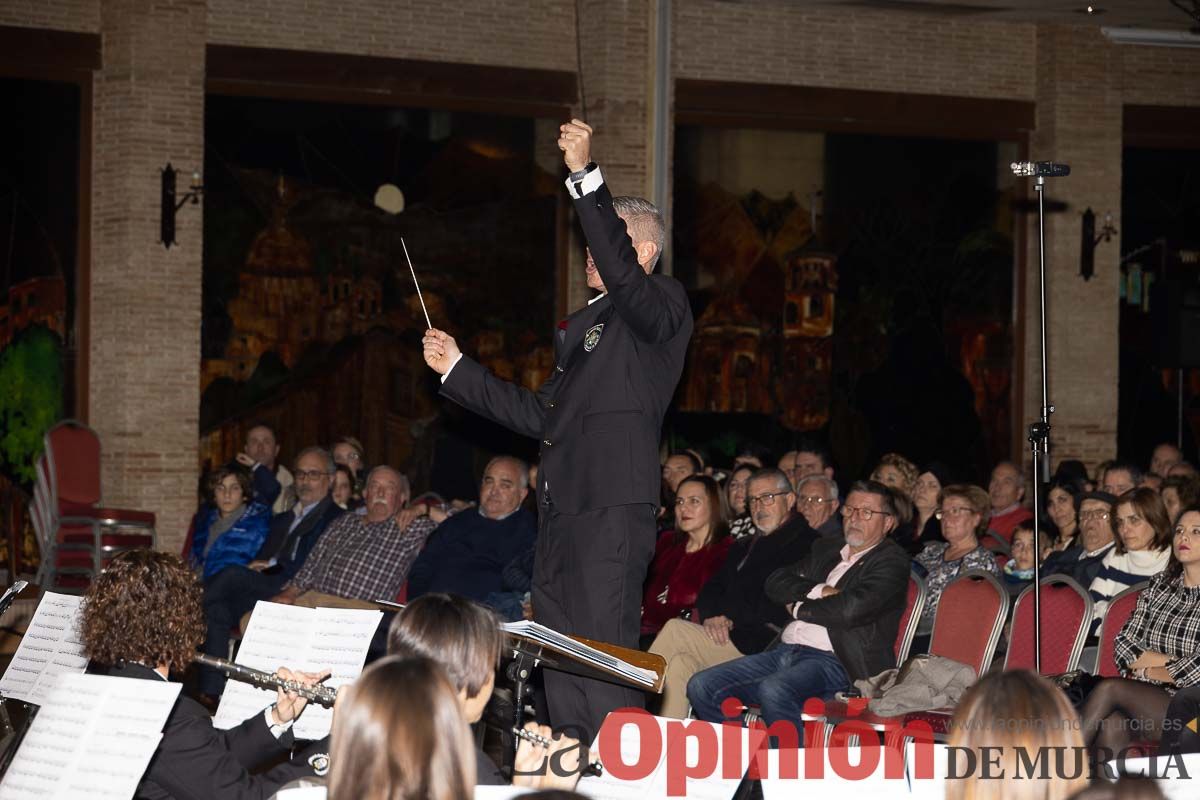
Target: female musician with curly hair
142,618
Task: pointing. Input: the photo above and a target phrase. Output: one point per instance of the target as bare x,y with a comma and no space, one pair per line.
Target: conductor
598,418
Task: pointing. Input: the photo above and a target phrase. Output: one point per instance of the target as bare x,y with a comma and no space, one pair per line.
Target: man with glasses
817,500
736,617
234,590
1082,560
846,600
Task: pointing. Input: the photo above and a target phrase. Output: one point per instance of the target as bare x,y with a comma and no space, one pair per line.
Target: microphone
1035,169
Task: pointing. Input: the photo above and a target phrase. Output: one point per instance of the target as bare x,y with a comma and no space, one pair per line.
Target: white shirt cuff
590,183
276,730
452,366
815,592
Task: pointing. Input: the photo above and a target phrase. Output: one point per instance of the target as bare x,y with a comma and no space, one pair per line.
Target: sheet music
93,737
50,646
540,633
305,639
655,785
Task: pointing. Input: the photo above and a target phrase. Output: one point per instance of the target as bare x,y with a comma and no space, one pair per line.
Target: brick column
1078,122
145,301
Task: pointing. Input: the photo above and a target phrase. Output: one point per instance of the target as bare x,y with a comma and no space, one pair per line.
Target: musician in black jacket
846,600
141,619
599,419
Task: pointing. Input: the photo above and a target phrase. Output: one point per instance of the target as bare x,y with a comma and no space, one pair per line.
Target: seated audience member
1158,650
350,453
1120,477
1061,497
1083,559
1142,548
809,458
896,471
678,466
362,557
1150,481
1179,492
740,522
846,598
737,617
963,510
1074,470
817,502
1183,469
233,591
685,558
465,640
1006,490
698,454
142,619
229,528
1010,719
1179,732
343,488
273,484
512,601
1165,456
380,754
468,552
926,527
1018,572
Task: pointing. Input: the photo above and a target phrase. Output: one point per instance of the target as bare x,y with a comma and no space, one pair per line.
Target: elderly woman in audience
686,557
896,471
740,522
1018,572
1158,650
1017,717
1179,492
230,527
963,511
1062,509
1143,547
464,639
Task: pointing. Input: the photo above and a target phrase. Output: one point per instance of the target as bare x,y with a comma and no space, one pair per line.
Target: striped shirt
363,560
1119,571
1165,620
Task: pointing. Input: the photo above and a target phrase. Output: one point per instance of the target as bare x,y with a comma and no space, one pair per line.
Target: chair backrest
911,617
995,542
1115,616
969,617
1066,615
73,458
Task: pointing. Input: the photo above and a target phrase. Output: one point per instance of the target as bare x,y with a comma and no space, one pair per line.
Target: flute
593,768
322,695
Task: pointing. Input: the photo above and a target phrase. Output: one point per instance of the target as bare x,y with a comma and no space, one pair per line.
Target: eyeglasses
814,500
1090,515
765,500
957,511
850,512
310,474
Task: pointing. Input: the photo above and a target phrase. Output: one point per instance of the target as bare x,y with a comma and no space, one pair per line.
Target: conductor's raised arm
624,245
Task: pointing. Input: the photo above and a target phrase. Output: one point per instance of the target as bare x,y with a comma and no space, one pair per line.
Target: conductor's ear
646,252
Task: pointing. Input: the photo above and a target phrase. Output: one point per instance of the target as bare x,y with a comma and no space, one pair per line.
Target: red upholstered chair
1066,612
1115,616
81,534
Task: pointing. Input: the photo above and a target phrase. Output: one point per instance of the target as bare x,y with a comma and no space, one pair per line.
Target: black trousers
1182,713
587,581
228,595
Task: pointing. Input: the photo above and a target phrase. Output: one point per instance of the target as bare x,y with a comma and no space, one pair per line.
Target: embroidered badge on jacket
592,337
320,764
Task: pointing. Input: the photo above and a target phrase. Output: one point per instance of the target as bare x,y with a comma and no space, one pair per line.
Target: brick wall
145,302
79,16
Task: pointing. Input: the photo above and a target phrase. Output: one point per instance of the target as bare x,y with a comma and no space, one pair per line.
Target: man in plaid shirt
362,557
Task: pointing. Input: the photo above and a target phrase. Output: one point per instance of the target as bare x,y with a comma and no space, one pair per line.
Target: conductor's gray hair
644,221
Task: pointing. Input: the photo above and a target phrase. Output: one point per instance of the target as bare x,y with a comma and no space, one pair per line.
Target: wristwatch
579,175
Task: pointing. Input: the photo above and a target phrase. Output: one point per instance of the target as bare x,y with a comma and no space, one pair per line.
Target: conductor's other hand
441,351
575,140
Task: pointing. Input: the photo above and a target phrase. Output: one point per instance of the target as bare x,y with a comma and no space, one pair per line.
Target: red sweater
682,574
1004,524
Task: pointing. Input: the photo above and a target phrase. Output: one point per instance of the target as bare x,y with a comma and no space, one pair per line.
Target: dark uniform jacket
599,415
195,761
864,616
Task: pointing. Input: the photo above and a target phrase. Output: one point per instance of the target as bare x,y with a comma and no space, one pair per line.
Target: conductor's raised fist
575,140
440,350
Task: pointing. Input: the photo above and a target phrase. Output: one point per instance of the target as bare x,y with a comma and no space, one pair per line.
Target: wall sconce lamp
169,206
1087,250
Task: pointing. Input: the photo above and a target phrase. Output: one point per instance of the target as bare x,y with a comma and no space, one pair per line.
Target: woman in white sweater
1142,532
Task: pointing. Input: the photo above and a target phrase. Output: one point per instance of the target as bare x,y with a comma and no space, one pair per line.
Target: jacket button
546,442
549,405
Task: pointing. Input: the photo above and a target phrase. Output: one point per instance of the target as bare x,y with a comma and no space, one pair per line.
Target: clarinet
322,695
593,768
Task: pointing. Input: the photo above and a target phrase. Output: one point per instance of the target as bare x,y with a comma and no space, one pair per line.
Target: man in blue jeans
846,599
